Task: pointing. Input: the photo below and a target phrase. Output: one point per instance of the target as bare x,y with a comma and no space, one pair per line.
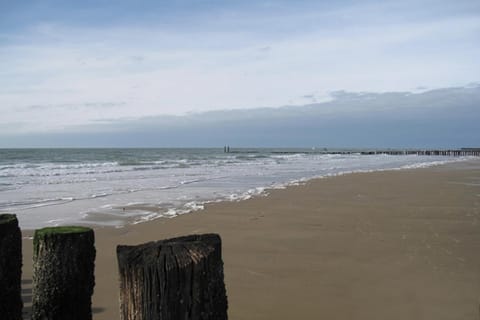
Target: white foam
194,206
170,190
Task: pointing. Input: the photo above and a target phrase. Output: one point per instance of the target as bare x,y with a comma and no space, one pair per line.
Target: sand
383,245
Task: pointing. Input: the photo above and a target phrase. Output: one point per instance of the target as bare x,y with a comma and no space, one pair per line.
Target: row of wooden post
180,278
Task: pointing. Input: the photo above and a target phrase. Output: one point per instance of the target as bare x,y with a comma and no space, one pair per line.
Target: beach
399,244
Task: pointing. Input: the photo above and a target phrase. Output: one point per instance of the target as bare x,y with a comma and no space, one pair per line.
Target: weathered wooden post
63,273
10,268
179,278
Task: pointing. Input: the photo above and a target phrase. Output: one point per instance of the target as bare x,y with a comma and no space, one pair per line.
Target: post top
7,217
61,230
53,232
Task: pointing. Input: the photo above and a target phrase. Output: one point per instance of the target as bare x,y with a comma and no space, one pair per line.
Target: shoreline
169,192
272,256
263,191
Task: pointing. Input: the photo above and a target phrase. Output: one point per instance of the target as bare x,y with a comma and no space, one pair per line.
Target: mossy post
10,268
63,273
180,278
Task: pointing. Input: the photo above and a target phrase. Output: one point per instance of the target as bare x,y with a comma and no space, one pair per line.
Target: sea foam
115,187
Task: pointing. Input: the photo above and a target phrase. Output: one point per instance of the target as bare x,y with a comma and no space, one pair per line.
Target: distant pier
462,152
448,152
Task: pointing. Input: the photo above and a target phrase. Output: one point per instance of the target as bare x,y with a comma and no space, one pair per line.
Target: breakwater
463,152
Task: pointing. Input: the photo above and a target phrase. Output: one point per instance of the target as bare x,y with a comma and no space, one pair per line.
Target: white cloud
156,71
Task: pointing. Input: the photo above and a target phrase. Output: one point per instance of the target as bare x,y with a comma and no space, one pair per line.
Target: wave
251,156
430,164
30,204
184,182
192,206
104,168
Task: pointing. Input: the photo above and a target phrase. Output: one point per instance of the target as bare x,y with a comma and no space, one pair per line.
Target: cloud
94,105
191,58
445,117
138,59
265,49
310,97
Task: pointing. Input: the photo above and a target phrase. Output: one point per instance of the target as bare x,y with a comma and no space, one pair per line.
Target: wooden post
10,268
63,273
180,278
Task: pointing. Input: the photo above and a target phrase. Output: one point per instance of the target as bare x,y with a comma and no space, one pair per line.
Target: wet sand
383,245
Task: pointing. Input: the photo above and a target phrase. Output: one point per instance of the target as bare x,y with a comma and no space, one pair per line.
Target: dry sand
384,245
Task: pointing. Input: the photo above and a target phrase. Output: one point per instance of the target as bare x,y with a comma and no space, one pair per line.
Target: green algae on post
6,218
52,231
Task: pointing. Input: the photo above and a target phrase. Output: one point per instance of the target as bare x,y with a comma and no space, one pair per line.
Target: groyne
462,152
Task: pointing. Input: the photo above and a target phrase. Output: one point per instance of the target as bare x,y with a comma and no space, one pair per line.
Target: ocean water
115,187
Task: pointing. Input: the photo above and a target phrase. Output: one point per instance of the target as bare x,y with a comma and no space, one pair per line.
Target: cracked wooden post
10,268
179,278
63,273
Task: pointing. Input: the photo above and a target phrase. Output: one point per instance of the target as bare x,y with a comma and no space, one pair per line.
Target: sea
117,187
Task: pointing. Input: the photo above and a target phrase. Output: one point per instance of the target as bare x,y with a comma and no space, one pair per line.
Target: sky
73,70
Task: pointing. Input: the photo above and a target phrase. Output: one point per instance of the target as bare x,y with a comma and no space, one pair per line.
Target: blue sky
66,65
